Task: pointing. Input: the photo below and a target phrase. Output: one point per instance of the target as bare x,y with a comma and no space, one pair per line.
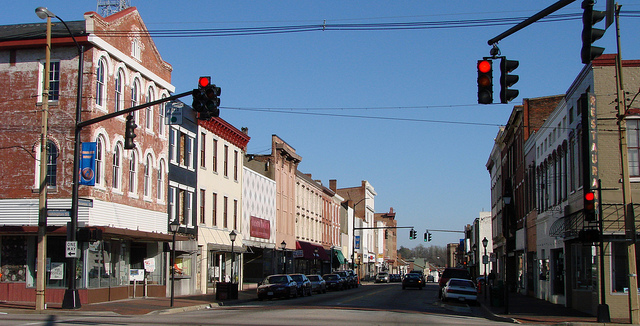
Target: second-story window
214,154
101,76
235,165
132,173
225,167
203,156
148,116
202,205
633,146
119,91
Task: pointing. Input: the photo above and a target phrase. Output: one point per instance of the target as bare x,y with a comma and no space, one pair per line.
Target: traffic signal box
589,34
485,82
589,205
130,133
206,100
507,80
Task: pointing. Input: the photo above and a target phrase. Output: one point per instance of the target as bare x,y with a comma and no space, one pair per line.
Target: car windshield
330,277
276,279
297,278
461,283
313,278
412,276
383,274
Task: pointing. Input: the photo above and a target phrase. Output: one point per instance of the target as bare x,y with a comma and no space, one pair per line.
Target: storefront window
56,262
183,267
107,264
620,266
13,259
584,262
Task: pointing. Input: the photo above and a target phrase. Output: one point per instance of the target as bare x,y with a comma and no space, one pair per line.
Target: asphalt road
375,304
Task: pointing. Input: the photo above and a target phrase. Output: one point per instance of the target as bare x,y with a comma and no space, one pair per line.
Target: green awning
337,254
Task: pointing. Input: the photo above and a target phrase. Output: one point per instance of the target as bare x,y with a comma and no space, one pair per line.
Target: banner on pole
88,164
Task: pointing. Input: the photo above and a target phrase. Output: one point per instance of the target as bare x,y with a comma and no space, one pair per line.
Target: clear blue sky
394,107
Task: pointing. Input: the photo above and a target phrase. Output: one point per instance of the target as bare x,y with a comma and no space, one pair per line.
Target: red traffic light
484,66
589,196
204,81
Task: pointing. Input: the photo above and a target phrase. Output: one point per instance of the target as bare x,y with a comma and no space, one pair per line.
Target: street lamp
283,245
43,13
174,226
353,247
485,259
232,237
71,298
506,234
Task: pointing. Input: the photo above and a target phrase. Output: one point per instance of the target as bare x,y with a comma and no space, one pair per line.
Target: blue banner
88,164
357,242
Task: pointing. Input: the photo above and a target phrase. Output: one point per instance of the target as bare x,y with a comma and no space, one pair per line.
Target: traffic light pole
71,298
629,215
543,13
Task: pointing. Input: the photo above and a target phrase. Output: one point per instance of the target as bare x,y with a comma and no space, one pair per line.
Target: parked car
382,277
277,286
334,281
412,280
303,284
460,289
348,282
395,278
430,278
318,284
449,273
352,278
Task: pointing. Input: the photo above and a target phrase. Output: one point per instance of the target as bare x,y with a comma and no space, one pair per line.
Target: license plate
269,293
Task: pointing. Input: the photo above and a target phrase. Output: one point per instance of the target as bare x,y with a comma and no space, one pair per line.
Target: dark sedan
318,284
334,281
303,284
412,280
277,286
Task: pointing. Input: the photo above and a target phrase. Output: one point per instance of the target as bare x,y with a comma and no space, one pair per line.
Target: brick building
122,68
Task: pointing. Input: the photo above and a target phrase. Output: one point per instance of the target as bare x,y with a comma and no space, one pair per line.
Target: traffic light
589,34
386,234
589,205
413,234
429,237
485,82
425,236
507,80
205,99
129,133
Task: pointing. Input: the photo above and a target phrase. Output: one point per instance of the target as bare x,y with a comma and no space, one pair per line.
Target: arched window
135,96
160,180
133,173
147,176
149,110
99,161
119,91
161,125
117,167
100,82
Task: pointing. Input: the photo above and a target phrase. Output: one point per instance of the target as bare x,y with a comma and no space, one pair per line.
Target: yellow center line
362,296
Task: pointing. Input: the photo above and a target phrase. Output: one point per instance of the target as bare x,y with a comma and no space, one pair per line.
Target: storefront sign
260,228
57,271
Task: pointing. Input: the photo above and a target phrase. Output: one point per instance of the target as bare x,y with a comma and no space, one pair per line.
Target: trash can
497,294
226,291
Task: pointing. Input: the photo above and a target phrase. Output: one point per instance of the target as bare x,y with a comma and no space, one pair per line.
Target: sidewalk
134,306
529,310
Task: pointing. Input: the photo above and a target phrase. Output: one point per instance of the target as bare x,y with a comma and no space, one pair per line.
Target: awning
339,256
311,251
218,240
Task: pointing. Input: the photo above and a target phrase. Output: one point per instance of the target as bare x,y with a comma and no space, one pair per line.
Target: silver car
460,289
382,277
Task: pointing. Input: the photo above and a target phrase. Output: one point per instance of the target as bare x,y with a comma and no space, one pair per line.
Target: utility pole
41,273
629,217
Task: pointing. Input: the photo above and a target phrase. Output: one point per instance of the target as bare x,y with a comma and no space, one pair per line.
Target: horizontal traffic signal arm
131,109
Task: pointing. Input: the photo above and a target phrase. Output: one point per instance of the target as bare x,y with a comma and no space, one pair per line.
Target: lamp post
232,237
485,260
353,247
71,298
42,188
507,202
174,226
283,245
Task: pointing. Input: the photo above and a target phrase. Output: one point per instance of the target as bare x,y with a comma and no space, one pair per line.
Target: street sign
59,212
173,113
72,249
